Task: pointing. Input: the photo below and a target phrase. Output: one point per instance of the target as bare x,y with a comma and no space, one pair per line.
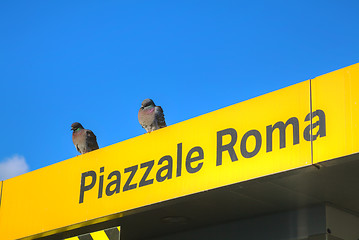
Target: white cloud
13,166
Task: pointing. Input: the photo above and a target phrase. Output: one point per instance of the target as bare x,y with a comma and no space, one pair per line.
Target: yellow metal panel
99,235
106,234
183,159
73,238
337,94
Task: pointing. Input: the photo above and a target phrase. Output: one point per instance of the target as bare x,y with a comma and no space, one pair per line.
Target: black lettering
133,171
282,136
115,182
179,160
321,123
84,188
257,135
100,187
229,147
190,159
149,166
167,168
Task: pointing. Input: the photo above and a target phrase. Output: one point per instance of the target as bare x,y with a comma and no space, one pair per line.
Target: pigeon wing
91,140
160,117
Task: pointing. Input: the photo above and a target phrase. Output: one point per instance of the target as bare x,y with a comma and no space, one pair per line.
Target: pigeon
84,139
150,116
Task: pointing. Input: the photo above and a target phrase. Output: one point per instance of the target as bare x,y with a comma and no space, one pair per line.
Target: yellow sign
255,138
337,93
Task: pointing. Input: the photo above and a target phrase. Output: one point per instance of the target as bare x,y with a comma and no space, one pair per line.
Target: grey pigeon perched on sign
84,139
150,116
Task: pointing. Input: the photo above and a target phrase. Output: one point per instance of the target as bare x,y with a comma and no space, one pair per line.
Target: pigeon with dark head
150,116
84,139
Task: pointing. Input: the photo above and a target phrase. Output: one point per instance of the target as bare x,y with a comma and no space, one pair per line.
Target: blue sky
92,62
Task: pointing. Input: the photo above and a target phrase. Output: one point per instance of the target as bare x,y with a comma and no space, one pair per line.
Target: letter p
84,188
